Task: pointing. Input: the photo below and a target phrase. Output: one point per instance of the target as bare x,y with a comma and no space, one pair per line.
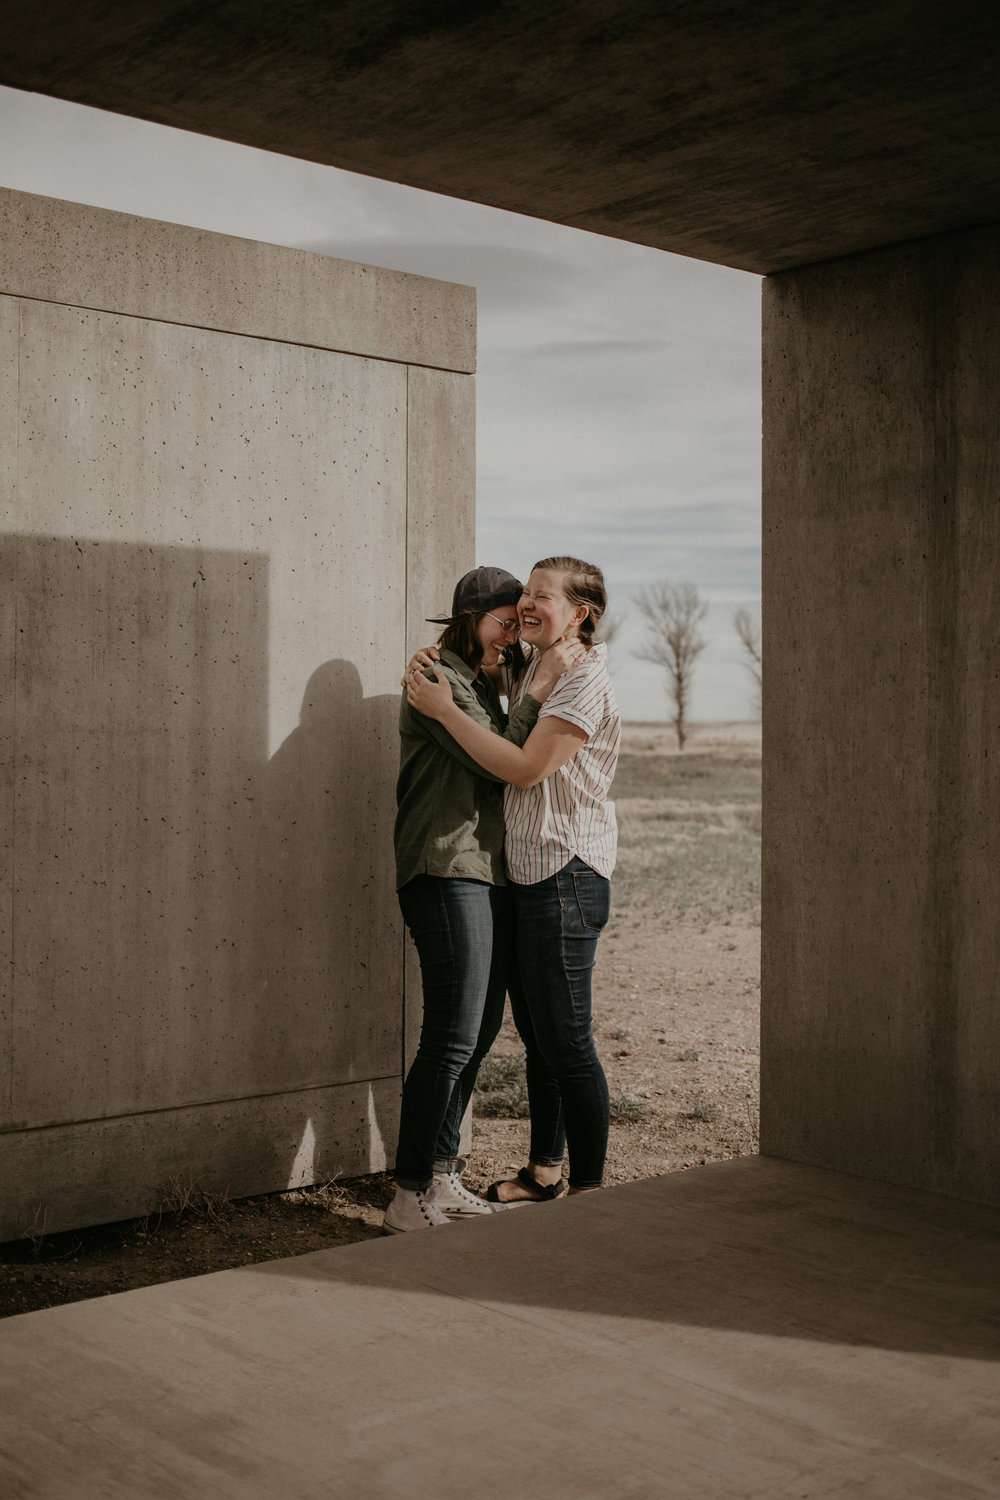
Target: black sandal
546,1191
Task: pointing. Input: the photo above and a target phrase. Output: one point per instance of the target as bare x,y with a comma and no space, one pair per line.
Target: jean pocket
593,899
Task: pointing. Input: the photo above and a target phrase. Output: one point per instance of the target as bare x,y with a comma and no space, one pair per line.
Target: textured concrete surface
94,258
204,539
96,1170
440,532
749,1329
764,136
880,1048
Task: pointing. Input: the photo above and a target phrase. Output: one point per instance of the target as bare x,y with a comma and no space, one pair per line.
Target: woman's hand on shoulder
432,698
561,657
426,657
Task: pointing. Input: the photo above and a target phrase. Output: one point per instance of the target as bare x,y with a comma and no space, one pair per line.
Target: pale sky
618,387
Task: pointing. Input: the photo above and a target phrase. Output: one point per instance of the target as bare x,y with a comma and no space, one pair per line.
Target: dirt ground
676,1009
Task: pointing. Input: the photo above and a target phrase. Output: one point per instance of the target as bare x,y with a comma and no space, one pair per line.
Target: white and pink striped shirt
568,814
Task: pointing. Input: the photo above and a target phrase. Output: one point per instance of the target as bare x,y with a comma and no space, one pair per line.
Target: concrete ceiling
762,135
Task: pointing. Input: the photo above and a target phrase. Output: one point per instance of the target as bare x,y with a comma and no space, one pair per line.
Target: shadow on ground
761,1246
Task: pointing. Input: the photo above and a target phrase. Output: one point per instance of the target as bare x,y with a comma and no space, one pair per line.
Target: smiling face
545,612
492,636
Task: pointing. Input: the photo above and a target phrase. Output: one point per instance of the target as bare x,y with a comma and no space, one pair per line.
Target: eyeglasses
509,627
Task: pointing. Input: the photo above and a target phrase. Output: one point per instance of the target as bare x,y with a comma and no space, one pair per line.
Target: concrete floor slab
749,1329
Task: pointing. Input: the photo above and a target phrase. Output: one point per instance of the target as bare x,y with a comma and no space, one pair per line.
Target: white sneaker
449,1193
409,1210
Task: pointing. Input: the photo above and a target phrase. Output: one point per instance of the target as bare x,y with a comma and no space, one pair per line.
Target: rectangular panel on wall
204,555
87,257
107,1170
163,853
440,494
141,706
440,538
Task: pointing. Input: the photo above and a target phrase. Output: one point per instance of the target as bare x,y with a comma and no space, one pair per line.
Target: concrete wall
222,465
881,1049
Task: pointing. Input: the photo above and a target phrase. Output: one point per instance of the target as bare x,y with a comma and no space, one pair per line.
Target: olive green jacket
449,819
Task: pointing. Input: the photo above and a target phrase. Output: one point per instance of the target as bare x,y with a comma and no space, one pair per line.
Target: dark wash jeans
557,923
461,931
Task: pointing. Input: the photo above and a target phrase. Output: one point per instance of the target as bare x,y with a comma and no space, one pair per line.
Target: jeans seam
448,918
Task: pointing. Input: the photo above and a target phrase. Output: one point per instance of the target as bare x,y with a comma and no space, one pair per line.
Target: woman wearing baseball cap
451,883
560,852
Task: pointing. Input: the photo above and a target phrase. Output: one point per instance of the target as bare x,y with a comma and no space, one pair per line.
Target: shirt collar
458,666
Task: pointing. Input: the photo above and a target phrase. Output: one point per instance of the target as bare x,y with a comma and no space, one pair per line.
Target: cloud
618,394
503,275
590,349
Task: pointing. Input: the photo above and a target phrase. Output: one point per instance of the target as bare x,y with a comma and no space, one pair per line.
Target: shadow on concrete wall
202,979
328,939
138,710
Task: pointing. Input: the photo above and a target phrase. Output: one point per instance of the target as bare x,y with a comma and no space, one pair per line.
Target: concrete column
220,463
881,1049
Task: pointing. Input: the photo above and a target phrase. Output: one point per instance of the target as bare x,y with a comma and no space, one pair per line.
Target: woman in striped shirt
451,882
560,849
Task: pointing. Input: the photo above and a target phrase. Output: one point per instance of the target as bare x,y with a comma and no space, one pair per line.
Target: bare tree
747,627
673,613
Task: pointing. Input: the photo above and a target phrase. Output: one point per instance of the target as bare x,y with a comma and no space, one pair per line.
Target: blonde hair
582,583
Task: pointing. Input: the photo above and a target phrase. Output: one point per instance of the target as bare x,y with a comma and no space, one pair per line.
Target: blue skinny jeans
461,931
557,923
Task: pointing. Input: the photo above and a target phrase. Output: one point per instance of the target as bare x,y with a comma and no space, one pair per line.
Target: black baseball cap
480,591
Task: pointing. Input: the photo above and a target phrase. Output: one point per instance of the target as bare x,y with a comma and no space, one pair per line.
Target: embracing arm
550,745
554,662
560,657
470,711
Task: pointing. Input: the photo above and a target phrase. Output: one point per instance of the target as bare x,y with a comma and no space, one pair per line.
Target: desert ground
677,985
676,1011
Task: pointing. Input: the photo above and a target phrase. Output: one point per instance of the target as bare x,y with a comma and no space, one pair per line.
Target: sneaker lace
458,1186
428,1207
